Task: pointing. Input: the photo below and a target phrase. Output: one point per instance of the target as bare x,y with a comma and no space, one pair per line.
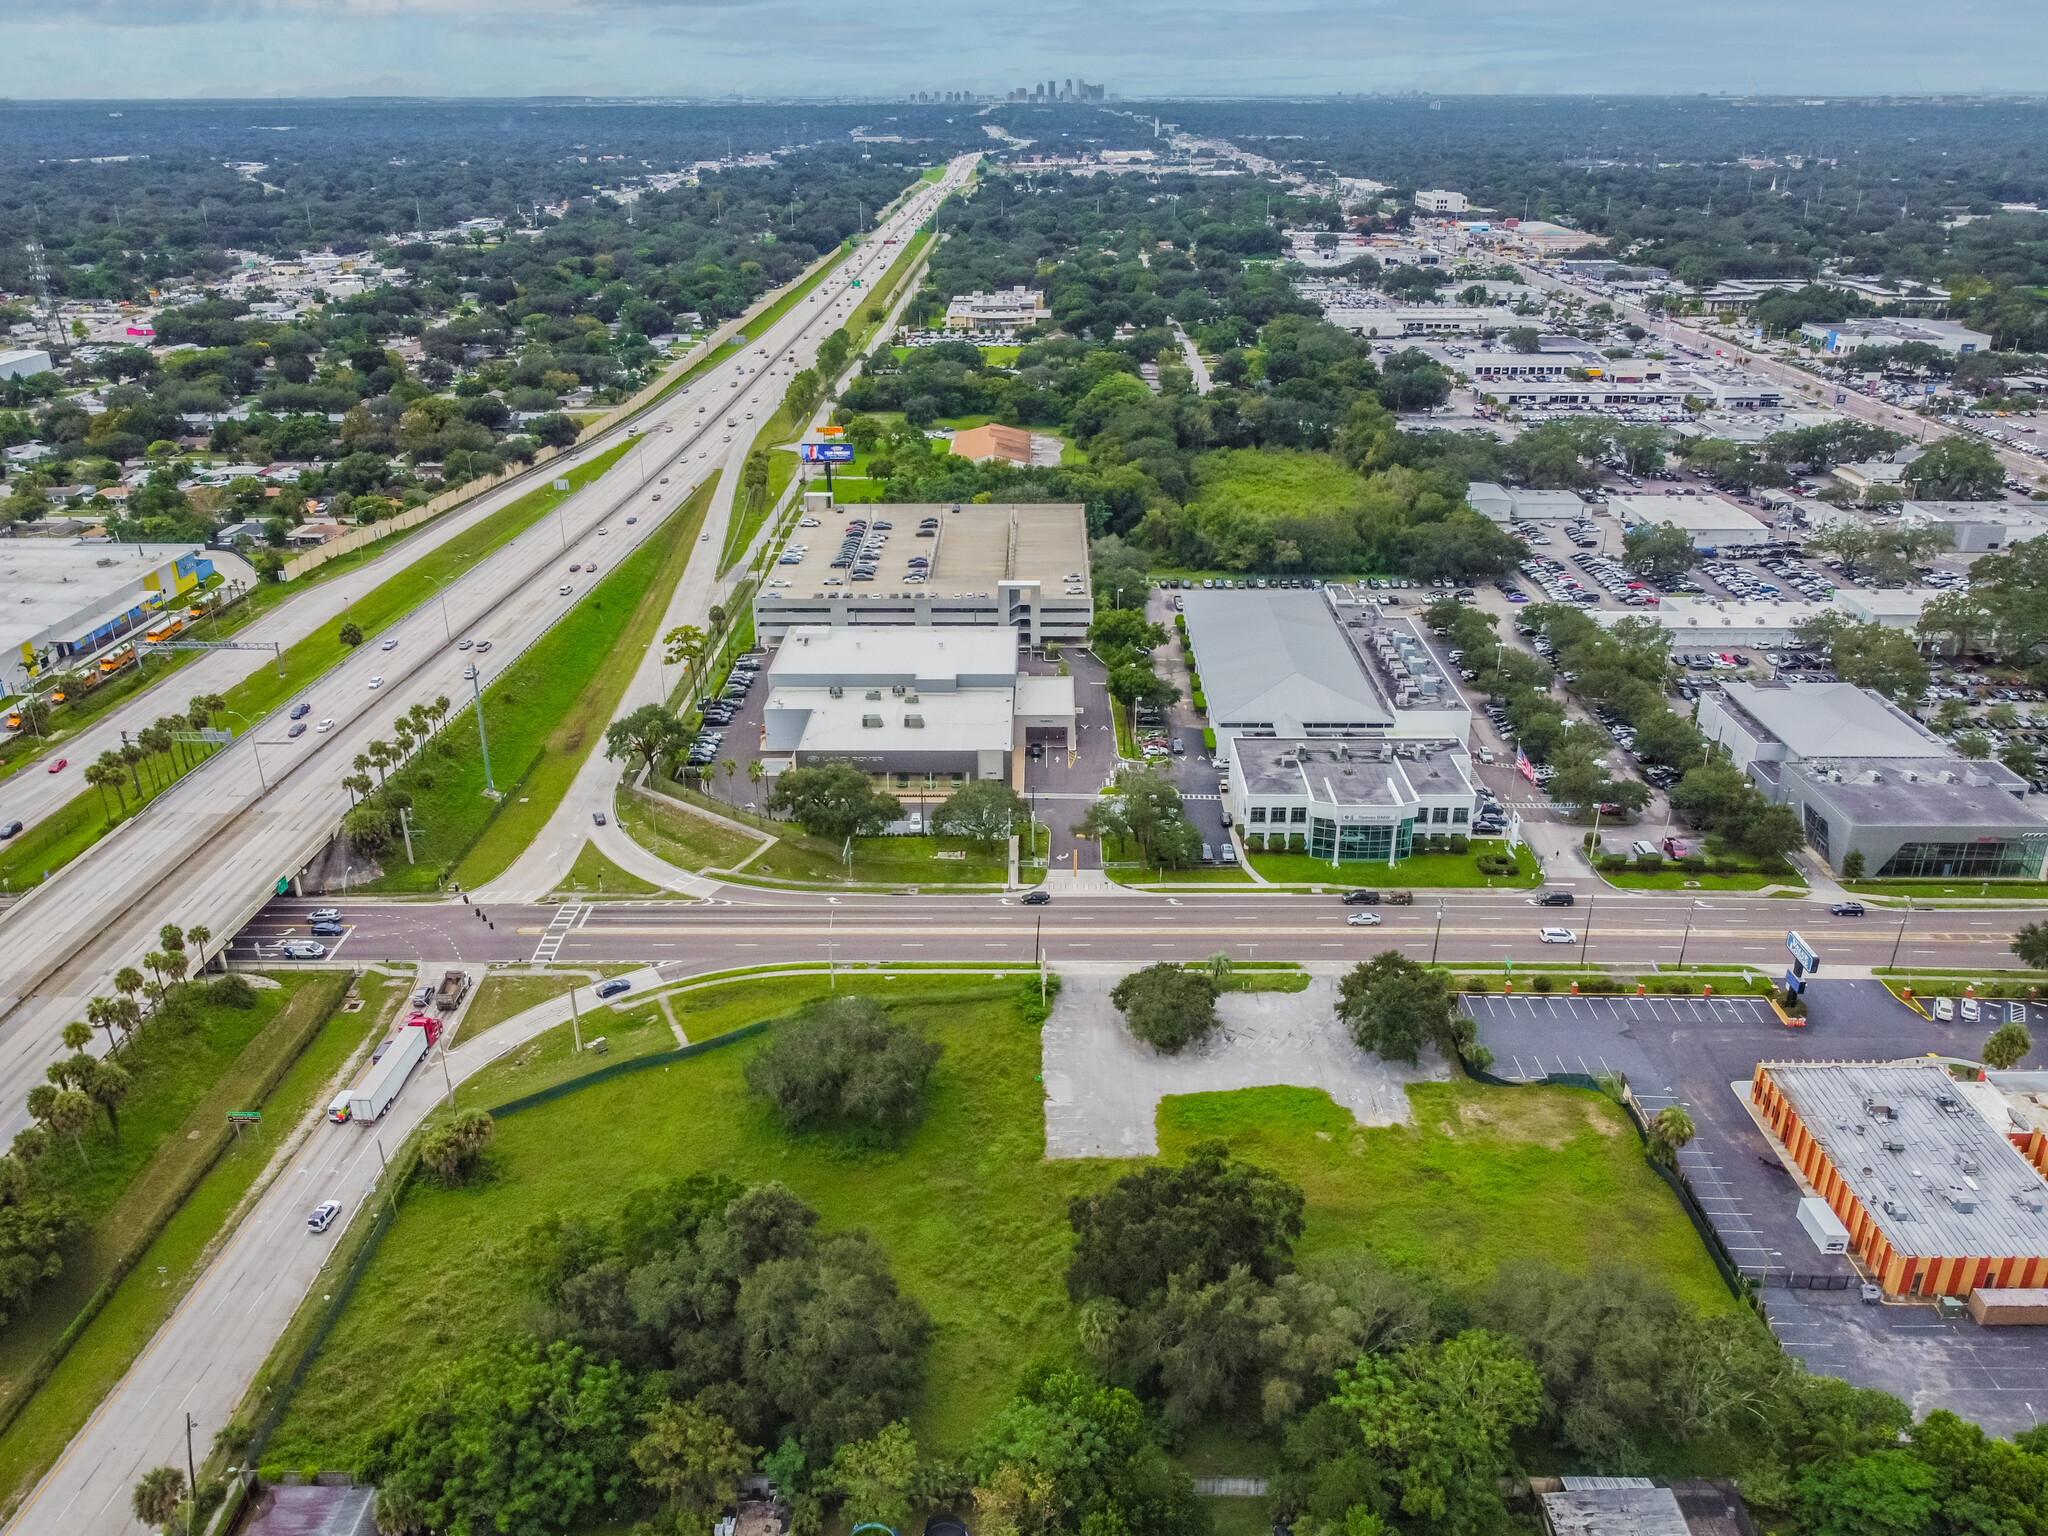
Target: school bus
166,631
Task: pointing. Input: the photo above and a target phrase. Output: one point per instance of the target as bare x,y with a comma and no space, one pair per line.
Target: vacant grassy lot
1276,483
971,1213
174,1261
1679,880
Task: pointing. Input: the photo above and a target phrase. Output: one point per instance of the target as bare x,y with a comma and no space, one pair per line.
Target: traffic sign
561,485
828,453
284,885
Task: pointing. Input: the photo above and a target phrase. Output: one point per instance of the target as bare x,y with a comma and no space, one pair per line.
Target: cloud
1196,47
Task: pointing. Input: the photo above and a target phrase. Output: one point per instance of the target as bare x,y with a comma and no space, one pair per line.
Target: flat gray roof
1955,1189
1970,797
1834,720
1334,772
1277,660
976,546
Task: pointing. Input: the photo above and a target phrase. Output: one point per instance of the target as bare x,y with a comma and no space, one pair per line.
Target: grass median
75,826
172,1184
544,716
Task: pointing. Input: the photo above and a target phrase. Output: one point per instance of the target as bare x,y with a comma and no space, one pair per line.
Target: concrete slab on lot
1103,1086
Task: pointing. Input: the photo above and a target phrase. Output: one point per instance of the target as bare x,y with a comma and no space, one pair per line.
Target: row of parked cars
745,672
1617,579
1555,582
1744,583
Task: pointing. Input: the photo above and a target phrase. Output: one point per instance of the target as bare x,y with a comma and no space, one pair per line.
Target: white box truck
370,1098
1823,1226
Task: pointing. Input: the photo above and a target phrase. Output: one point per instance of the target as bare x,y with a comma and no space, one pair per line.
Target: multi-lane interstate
209,850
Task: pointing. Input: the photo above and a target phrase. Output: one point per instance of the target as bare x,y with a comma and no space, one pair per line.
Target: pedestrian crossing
565,918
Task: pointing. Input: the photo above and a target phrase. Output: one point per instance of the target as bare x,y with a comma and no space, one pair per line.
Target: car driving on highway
1557,936
323,1215
1363,920
303,949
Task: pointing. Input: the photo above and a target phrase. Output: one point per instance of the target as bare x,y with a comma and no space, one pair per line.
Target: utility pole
1433,943
1899,938
405,827
476,690
191,1465
575,1021
1586,938
1688,929
1038,951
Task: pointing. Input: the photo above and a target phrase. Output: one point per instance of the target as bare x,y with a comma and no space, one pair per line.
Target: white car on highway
1363,920
303,949
1557,936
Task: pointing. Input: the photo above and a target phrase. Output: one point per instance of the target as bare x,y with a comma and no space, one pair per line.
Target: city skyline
207,49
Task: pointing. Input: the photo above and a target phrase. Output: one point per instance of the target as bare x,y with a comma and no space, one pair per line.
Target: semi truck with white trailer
392,1065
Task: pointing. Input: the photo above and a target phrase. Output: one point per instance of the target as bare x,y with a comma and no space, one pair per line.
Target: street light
1688,929
1900,936
484,741
1439,930
1586,938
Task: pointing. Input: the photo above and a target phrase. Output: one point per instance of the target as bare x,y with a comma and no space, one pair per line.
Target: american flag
1522,765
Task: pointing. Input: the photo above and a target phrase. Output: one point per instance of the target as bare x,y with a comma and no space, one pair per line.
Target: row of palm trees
125,768
81,1085
409,731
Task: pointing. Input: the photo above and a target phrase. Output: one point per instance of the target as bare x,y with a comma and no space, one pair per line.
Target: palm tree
99,1012
158,1497
97,776
422,719
131,754
128,982
107,1085
401,728
1670,1129
113,769
70,1112
441,707
755,774
157,961
171,936
380,758
731,768
197,937
1218,966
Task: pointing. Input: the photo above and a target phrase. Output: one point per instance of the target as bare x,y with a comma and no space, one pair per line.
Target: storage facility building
1937,1201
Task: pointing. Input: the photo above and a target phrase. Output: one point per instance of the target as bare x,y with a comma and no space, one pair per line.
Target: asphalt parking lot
1692,1052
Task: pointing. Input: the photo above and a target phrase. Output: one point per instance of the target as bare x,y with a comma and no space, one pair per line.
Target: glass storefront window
2008,857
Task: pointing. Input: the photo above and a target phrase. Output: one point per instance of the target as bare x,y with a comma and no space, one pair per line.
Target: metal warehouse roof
1934,1174
1279,659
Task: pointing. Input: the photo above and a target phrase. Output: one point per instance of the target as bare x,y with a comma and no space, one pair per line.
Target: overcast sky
225,48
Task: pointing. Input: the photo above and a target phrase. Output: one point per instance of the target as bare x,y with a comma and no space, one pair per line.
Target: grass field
1274,483
1679,880
594,874
106,1347
544,715
682,837
800,858
61,837
972,1215
1432,870
499,997
1995,890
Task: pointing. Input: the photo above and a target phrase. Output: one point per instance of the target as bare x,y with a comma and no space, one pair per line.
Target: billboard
828,453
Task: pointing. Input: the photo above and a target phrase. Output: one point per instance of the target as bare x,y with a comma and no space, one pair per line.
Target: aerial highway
210,849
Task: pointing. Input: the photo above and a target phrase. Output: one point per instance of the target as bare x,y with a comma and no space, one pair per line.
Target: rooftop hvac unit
835,692
896,689
875,694
1893,1144
1962,1199
871,722
913,722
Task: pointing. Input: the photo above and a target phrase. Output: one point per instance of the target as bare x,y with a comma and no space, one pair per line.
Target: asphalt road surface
209,848
742,926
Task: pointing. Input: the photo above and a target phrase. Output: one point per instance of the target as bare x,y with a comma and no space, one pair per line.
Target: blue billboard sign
1802,953
828,453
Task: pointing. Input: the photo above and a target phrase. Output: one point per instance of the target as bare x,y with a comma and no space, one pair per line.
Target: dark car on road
1037,898
327,930
1847,909
1555,899
1361,898
613,987
300,711
12,829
